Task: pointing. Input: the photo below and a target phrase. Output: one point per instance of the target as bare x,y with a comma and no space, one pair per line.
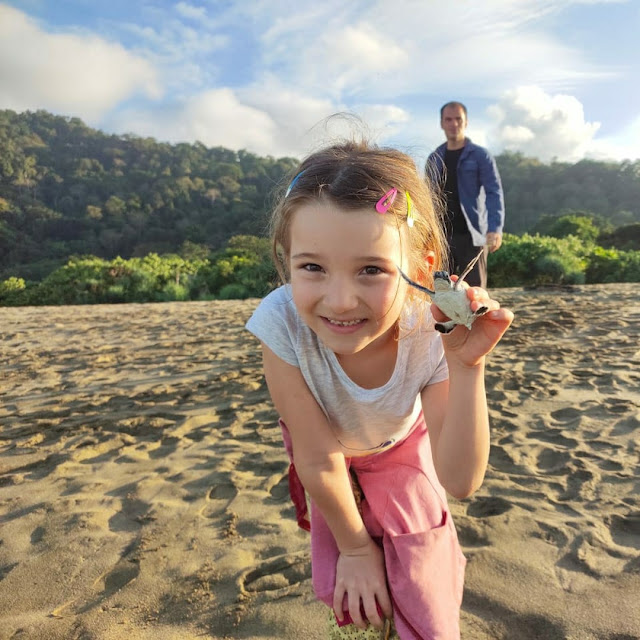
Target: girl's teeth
348,323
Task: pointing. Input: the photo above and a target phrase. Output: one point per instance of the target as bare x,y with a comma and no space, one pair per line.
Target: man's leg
461,252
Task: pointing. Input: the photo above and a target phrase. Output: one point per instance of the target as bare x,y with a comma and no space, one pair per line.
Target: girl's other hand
360,575
469,346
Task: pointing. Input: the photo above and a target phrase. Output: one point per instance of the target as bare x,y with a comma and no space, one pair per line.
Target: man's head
453,120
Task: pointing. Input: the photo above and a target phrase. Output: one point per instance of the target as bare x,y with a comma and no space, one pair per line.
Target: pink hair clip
382,206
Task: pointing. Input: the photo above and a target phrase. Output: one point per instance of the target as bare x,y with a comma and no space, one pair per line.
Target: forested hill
67,189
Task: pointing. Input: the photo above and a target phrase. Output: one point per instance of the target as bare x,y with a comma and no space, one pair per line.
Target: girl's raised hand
469,346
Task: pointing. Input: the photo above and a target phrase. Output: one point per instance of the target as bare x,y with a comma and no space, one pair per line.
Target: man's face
454,123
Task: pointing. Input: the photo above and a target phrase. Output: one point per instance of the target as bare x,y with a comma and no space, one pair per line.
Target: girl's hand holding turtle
469,346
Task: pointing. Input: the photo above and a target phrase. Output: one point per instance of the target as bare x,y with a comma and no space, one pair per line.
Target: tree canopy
67,189
81,206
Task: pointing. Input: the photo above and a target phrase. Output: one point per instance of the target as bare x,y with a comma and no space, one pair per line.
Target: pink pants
405,510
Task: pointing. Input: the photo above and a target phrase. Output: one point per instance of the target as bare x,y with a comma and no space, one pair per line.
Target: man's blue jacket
479,188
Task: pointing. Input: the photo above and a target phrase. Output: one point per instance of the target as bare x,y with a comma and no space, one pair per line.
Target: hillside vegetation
87,217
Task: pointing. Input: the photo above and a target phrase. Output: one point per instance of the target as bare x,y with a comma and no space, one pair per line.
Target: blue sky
550,78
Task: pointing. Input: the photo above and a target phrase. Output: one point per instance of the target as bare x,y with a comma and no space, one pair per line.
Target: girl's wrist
360,548
463,368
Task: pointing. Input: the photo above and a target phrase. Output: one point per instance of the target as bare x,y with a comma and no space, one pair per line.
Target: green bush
245,262
626,237
244,270
233,292
581,226
172,292
537,260
612,265
13,292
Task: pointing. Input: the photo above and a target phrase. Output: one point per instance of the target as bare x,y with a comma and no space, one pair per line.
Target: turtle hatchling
451,298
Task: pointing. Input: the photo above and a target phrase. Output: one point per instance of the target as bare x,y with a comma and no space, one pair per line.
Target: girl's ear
430,259
426,271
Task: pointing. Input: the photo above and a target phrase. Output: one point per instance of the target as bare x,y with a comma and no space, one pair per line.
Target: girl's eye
372,271
312,267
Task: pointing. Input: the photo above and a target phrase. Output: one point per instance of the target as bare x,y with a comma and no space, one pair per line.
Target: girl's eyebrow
306,255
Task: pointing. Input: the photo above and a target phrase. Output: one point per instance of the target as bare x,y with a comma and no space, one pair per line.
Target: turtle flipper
468,268
415,284
445,327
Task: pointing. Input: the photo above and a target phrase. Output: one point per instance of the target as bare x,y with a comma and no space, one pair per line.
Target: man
469,179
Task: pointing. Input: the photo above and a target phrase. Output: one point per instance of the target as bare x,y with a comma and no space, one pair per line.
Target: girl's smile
344,278
344,326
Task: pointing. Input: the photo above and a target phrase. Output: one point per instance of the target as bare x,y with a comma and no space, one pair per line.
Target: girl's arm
456,410
322,470
456,415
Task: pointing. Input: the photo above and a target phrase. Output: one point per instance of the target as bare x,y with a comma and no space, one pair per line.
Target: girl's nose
341,296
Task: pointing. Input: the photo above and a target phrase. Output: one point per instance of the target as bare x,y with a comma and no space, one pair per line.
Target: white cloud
78,75
190,11
355,57
538,124
295,115
215,118
267,119
624,145
410,48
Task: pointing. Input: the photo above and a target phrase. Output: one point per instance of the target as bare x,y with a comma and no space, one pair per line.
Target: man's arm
490,180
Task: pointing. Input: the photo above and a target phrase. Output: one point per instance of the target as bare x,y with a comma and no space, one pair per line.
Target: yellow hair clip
410,217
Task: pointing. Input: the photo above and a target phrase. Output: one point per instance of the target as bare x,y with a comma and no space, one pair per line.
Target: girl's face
344,277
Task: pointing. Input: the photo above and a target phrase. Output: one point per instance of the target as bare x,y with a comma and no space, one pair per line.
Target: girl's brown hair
355,175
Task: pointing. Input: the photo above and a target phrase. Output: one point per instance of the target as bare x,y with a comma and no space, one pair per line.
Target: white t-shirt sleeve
275,323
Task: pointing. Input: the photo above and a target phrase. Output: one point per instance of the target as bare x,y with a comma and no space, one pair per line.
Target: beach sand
143,483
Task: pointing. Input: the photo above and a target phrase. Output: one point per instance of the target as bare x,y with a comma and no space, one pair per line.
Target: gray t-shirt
364,421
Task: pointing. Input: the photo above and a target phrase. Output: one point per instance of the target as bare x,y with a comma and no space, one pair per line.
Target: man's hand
494,241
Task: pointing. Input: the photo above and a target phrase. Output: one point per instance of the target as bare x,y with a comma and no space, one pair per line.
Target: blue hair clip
293,182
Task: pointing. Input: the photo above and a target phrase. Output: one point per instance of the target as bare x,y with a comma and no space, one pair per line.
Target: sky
552,79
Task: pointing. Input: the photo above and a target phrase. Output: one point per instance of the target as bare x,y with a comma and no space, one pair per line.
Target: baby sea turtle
451,298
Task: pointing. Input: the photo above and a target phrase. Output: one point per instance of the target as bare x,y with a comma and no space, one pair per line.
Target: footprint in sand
276,577
125,571
219,497
485,507
551,461
132,512
470,533
625,530
279,492
553,535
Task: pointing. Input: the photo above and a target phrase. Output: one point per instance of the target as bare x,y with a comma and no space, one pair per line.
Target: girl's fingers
504,316
338,598
385,604
490,305
371,611
354,611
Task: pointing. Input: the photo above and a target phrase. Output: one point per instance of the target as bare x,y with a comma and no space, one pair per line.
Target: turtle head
441,281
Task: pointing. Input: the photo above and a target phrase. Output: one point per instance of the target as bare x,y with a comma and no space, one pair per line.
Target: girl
370,395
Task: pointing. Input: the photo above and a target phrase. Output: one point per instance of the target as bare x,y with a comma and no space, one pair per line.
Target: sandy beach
143,483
